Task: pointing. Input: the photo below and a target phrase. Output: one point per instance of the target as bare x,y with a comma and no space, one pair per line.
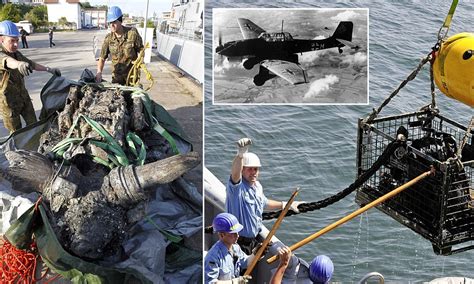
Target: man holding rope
245,198
123,44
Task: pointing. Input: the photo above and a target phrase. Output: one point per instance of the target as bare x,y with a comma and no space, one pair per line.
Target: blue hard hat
8,28
321,269
113,14
226,223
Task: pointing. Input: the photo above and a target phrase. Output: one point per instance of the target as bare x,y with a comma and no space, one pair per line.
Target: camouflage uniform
124,51
14,98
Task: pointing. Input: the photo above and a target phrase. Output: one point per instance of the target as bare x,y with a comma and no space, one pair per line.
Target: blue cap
113,14
321,269
226,223
8,28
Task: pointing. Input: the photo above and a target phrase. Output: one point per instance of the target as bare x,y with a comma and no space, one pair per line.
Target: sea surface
314,147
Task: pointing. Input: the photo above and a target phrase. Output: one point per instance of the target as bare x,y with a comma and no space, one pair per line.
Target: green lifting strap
137,92
132,141
155,124
171,237
115,153
443,31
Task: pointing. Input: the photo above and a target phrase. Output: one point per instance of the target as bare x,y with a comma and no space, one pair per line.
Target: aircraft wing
289,71
249,29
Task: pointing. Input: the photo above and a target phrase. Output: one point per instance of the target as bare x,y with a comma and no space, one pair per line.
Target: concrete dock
179,94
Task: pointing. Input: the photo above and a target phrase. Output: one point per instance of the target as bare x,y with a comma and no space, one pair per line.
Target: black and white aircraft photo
286,58
277,52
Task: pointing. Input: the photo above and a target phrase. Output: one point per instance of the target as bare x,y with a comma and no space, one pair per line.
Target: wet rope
311,206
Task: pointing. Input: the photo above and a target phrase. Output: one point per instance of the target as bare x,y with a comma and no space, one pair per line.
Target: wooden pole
271,233
356,213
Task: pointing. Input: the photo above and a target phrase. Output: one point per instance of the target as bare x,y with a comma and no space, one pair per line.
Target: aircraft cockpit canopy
276,36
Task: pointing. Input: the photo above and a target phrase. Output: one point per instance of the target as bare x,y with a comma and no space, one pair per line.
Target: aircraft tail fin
344,31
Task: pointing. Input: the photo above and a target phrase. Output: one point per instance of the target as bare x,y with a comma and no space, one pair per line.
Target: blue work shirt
246,203
219,262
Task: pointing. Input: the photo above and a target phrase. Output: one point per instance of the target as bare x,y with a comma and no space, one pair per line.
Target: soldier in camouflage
123,44
14,98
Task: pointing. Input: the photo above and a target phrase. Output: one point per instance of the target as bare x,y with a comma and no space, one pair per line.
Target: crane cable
442,34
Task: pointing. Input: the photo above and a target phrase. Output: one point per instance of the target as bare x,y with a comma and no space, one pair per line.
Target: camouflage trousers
120,73
11,110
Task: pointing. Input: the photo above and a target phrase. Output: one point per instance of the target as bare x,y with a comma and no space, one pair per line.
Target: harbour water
314,147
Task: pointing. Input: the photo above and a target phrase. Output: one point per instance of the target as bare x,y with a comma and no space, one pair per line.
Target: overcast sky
136,7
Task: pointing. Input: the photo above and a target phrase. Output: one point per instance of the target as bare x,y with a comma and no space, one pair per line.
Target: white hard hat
251,160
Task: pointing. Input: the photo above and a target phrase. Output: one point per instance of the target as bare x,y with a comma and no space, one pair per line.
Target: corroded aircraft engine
91,207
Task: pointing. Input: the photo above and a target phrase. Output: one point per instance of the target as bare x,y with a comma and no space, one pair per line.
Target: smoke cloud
320,86
345,16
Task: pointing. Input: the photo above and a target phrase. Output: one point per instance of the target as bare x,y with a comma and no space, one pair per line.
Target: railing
189,34
191,30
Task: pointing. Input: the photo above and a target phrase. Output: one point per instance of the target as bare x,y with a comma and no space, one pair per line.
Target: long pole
356,213
144,24
270,235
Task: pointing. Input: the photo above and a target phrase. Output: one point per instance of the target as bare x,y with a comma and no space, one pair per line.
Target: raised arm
237,164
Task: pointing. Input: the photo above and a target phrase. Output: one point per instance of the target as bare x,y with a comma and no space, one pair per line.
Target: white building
18,1
95,17
64,8
187,16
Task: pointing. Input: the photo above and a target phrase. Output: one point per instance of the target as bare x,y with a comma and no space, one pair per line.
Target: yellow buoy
453,68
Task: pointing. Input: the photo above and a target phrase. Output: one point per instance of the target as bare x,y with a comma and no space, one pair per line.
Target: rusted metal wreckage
93,197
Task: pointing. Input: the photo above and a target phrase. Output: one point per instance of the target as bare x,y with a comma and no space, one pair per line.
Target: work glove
243,146
54,71
241,279
293,207
24,68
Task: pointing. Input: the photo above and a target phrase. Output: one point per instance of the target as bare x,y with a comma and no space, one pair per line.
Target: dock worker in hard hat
245,198
123,44
225,260
14,98
320,269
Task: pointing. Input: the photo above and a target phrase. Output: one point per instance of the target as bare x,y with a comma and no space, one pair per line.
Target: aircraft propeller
220,46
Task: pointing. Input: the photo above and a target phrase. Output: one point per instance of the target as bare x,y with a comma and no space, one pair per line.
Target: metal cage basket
438,208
